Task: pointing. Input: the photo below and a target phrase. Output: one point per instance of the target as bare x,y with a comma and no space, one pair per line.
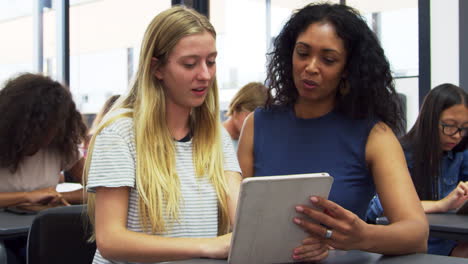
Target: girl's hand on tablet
312,249
218,247
338,227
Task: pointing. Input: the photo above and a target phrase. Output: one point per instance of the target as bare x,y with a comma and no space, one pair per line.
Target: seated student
104,110
437,156
249,97
40,130
165,177
333,108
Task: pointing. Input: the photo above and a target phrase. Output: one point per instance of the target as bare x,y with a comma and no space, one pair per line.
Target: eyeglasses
451,130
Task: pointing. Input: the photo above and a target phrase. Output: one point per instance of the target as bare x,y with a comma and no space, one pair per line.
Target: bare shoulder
249,121
382,141
247,130
380,128
245,149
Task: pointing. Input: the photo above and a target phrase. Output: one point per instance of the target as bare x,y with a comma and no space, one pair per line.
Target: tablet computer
264,231
463,209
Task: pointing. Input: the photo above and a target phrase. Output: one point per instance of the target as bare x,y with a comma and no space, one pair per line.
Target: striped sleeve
113,160
230,157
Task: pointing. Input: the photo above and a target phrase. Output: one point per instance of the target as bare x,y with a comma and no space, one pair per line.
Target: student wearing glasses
437,157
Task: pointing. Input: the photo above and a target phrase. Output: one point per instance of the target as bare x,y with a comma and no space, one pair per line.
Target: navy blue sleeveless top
333,143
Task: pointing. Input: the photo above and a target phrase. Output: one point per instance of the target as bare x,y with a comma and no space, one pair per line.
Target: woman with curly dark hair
333,108
40,130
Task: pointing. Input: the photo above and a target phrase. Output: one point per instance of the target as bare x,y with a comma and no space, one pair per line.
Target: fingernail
295,257
297,220
299,209
314,199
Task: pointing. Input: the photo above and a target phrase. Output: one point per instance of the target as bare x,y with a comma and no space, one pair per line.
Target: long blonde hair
156,178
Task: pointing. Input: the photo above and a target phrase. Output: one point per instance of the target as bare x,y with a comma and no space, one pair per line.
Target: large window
105,38
246,29
396,25
16,29
241,44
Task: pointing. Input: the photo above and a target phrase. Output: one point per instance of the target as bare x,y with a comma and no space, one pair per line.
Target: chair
3,253
58,235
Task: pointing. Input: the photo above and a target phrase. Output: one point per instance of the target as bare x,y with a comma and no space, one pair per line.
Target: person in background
40,130
163,144
104,110
437,157
246,100
97,119
333,108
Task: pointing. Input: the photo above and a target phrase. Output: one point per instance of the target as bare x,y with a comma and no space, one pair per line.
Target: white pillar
445,50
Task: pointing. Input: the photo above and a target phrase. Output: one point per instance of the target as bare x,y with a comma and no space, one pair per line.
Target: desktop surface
356,256
12,224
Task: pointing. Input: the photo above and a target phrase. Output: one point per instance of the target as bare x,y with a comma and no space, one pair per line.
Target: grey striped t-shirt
113,165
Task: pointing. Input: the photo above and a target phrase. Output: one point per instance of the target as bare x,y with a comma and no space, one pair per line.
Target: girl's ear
157,68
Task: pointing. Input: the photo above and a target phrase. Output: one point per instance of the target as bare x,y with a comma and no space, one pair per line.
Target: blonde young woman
164,176
246,100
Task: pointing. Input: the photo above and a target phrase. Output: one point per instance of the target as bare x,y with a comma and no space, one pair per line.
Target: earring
344,87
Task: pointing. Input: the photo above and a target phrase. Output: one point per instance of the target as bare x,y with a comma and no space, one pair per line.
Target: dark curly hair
34,109
423,140
372,92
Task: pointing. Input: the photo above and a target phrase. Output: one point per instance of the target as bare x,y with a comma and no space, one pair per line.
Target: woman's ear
157,68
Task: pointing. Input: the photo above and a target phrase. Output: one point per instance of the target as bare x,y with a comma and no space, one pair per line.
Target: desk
359,257
448,226
443,225
12,225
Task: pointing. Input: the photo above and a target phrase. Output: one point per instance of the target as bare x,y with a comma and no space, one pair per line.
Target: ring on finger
328,234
